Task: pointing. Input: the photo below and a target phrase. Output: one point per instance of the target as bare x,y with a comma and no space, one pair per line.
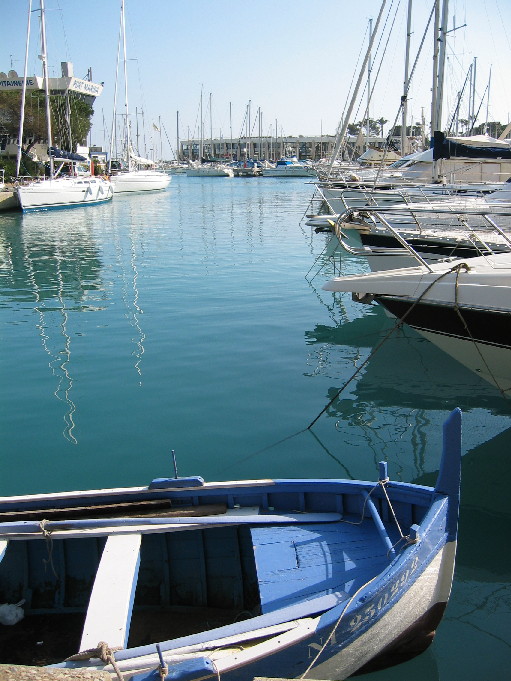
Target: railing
377,220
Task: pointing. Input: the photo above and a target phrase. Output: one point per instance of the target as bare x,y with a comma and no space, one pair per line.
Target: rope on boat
408,541
397,325
330,636
102,652
49,546
465,326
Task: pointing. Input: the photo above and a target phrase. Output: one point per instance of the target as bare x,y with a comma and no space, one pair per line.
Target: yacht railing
377,220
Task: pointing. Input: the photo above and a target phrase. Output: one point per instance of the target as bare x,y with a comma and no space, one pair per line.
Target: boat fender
11,613
188,670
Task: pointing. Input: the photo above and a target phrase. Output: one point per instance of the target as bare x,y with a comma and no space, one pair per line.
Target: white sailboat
209,168
134,174
66,186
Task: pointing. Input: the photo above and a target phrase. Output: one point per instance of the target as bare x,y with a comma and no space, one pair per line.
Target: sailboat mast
211,127
23,93
177,136
404,112
473,114
438,73
230,126
344,127
44,59
369,68
126,111
113,129
201,143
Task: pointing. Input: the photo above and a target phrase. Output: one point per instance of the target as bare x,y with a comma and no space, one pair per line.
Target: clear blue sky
293,59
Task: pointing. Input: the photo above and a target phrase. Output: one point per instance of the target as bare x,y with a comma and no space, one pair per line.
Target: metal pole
44,58
128,140
404,137
340,136
23,94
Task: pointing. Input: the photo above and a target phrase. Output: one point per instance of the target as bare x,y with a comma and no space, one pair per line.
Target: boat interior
182,582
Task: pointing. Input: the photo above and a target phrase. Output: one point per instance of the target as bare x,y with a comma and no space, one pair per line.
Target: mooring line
398,323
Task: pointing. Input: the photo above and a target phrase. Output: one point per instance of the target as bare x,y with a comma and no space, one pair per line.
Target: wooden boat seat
111,601
296,563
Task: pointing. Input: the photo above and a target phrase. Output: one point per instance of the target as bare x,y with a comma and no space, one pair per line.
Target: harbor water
194,320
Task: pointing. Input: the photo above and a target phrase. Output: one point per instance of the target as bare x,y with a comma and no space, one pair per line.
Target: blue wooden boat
189,580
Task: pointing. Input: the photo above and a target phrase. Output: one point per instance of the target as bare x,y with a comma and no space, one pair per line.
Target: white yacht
209,170
69,182
290,167
133,173
139,180
462,306
63,192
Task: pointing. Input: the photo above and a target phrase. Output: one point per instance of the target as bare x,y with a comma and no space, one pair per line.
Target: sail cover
142,161
67,155
444,147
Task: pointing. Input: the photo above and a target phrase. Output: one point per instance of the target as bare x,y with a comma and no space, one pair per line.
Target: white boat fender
11,613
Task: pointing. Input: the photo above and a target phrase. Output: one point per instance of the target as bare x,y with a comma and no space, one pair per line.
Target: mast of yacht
438,72
125,64
406,85
212,155
44,59
369,68
23,93
344,127
113,128
230,127
473,98
201,141
177,136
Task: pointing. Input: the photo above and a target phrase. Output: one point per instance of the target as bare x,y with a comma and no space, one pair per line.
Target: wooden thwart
111,600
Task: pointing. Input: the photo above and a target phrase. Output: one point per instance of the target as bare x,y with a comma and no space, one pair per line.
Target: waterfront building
67,86
305,148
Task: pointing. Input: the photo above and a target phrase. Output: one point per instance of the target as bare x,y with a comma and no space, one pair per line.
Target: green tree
492,128
381,122
66,134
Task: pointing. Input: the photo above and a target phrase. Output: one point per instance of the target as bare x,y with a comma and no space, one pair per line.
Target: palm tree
381,122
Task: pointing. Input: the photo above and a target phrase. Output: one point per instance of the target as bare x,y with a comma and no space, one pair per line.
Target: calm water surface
194,319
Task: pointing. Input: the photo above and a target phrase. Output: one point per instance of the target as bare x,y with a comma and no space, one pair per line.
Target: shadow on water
406,370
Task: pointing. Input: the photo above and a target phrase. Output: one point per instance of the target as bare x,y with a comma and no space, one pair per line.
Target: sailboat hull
63,193
140,181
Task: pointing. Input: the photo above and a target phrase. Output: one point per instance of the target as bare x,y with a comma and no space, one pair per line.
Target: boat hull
320,569
140,181
478,338
210,171
289,172
63,193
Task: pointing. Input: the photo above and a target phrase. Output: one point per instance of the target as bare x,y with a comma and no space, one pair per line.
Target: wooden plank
111,602
153,507
27,527
297,563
